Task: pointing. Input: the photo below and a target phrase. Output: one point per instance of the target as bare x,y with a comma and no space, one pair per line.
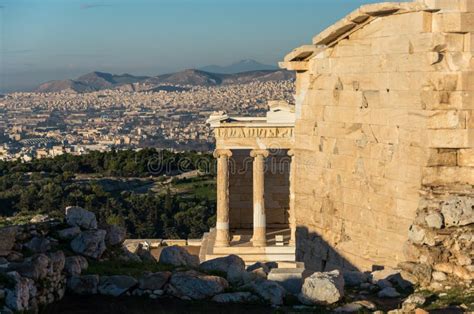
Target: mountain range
238,67
95,81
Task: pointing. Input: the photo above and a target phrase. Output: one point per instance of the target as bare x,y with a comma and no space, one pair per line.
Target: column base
222,238
259,238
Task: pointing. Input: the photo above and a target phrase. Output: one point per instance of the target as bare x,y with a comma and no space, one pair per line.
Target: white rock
439,276
78,216
458,211
322,288
90,243
434,220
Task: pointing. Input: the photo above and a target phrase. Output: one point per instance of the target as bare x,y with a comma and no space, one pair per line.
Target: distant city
101,111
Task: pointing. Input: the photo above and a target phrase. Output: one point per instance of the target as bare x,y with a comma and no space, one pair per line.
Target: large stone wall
382,116
277,190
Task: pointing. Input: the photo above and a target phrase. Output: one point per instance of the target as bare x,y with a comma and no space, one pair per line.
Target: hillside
239,67
95,81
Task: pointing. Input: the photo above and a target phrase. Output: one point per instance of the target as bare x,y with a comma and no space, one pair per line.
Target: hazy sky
42,40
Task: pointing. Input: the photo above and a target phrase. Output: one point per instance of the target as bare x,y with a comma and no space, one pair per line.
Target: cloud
86,6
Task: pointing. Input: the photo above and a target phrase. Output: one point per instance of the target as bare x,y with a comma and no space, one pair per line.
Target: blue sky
42,40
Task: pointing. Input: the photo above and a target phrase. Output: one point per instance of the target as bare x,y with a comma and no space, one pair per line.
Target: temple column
222,224
259,220
292,217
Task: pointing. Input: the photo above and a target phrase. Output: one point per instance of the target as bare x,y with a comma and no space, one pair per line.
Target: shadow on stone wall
317,254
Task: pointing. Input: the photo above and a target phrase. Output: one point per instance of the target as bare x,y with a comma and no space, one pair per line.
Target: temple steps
283,255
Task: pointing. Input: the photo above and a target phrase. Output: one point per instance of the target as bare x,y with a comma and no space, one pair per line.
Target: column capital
222,152
259,152
291,152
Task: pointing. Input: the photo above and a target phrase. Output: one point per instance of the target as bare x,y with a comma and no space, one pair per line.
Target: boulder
178,256
89,243
355,278
79,217
266,267
115,235
192,285
235,297
241,277
38,245
57,262
154,281
458,211
34,268
230,266
83,285
144,254
322,288
127,256
388,292
7,238
116,285
69,233
75,265
270,291
18,297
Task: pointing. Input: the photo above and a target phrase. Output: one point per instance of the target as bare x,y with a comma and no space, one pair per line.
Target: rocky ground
42,261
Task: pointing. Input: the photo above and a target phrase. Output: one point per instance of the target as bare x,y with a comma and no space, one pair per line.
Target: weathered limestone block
450,5
453,22
436,176
458,138
466,157
442,157
458,211
447,120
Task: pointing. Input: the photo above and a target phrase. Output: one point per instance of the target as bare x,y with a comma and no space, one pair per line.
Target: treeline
124,163
47,186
